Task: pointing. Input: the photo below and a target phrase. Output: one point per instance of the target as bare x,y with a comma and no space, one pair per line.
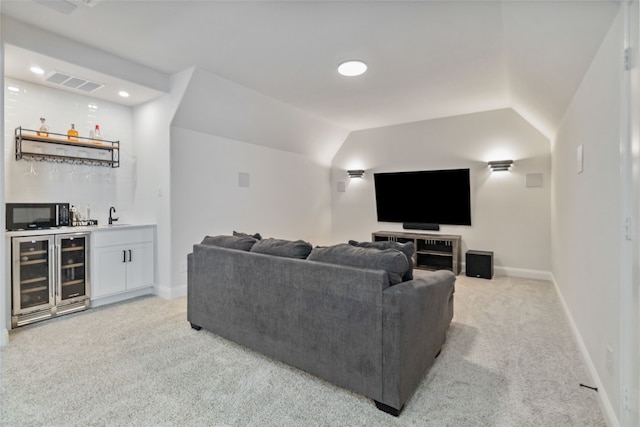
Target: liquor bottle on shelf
44,128
72,134
96,133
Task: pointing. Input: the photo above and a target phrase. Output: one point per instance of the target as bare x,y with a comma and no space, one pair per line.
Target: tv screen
437,196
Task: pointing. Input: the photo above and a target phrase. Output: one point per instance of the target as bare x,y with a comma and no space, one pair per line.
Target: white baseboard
520,272
524,273
605,402
167,292
120,297
4,337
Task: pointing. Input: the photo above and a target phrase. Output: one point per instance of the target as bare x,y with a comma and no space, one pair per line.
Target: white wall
288,194
221,107
152,131
99,187
218,131
507,218
586,225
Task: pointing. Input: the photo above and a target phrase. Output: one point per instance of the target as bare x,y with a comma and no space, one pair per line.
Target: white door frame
629,356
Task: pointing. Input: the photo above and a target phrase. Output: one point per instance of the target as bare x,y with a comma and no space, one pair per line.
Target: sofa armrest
416,315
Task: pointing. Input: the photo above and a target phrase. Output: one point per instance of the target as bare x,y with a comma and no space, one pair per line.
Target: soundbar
421,226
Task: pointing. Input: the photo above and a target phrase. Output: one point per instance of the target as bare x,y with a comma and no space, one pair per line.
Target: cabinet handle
52,272
129,255
124,256
58,260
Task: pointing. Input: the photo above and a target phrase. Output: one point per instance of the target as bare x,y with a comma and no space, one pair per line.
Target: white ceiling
427,59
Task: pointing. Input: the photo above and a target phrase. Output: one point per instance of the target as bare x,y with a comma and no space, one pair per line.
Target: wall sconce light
500,165
355,173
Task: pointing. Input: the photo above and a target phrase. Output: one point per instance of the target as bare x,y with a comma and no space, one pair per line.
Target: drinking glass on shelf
104,158
74,173
54,173
37,156
30,169
75,167
85,165
108,176
55,168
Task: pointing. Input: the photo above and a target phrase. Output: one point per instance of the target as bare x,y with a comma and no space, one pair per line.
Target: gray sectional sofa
358,326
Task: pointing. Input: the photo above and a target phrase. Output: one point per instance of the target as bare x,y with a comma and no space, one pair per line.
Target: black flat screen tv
434,196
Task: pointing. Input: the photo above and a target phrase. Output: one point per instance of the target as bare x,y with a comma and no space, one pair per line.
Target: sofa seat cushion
243,243
392,261
283,248
406,248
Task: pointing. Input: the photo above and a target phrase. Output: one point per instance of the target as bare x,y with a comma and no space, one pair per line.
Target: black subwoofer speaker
479,264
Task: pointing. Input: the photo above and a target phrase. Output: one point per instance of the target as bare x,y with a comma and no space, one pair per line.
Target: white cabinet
123,261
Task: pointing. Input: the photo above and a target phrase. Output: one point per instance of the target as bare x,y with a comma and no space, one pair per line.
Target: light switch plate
243,179
579,159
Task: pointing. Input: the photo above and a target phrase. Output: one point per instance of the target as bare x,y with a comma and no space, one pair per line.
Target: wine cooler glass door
33,272
73,268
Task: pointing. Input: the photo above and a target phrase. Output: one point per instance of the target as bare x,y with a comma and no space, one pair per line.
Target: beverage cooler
50,276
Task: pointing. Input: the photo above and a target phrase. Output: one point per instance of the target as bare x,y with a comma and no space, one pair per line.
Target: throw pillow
283,248
406,248
392,261
256,236
243,243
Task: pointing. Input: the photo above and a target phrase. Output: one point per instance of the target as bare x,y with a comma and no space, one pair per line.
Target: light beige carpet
510,360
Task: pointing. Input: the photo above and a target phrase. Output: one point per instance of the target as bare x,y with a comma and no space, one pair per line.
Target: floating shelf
55,147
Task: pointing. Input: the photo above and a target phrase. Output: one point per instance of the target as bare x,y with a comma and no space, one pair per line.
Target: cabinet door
72,260
33,274
140,267
109,271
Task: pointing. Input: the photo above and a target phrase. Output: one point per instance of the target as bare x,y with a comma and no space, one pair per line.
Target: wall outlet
609,359
630,399
625,399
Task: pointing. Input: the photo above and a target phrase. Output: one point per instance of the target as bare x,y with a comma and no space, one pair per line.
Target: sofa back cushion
256,236
243,243
406,248
392,261
283,248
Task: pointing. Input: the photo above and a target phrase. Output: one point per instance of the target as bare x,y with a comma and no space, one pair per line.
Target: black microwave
32,216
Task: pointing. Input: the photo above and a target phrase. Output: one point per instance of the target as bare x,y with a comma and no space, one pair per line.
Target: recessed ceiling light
13,88
352,68
37,70
123,94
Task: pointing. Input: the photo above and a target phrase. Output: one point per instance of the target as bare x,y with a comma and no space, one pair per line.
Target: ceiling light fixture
352,68
123,94
37,70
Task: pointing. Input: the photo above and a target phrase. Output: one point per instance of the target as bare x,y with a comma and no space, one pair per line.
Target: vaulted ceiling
427,59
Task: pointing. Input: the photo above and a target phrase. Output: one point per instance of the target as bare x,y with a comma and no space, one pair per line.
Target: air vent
67,80
90,87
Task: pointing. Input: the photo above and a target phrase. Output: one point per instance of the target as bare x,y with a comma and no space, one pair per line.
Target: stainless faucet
112,210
